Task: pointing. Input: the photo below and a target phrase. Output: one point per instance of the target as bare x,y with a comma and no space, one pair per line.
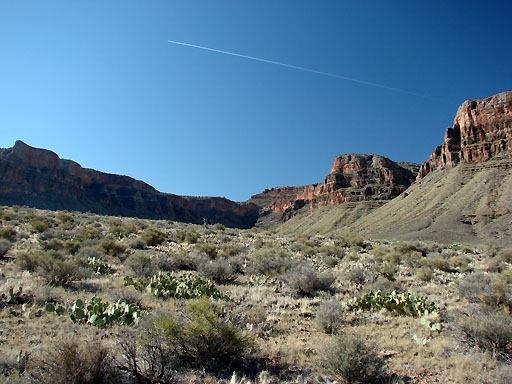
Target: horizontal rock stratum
39,178
482,130
353,178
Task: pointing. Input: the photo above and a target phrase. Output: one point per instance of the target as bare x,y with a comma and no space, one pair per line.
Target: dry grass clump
352,359
330,316
73,362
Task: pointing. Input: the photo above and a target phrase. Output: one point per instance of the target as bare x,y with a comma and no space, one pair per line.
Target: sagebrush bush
489,331
358,275
207,248
505,254
111,247
229,250
424,273
137,244
332,250
8,233
60,271
350,358
75,363
202,337
5,245
40,223
187,236
330,316
269,261
219,271
305,280
141,264
153,237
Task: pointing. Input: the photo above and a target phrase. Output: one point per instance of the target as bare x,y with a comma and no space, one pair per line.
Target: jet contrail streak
302,69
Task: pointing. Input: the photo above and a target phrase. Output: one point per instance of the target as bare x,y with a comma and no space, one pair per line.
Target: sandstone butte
353,178
482,130
39,178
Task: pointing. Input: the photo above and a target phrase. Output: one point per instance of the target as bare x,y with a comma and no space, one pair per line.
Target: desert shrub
184,262
164,262
424,273
330,261
71,246
219,271
330,316
137,244
350,358
492,291
141,264
58,270
88,252
202,337
349,240
40,223
52,244
493,265
489,331
90,233
27,261
8,233
72,362
229,250
187,236
505,254
459,263
111,247
4,247
151,363
332,250
120,230
388,270
357,275
305,280
153,237
437,261
219,227
66,218
269,261
383,284
258,243
207,248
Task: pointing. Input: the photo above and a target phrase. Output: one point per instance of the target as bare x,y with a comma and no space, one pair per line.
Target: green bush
230,250
350,358
202,337
8,233
332,250
153,237
187,236
208,248
40,223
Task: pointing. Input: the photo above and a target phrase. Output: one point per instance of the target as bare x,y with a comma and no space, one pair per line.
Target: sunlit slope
468,203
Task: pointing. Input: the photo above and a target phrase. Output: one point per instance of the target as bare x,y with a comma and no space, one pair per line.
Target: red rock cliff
39,178
352,178
482,130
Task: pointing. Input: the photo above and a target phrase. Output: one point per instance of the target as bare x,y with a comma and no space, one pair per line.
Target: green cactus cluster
13,297
402,304
99,313
186,286
99,267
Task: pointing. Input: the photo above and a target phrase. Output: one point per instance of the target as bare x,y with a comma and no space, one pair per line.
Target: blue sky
97,82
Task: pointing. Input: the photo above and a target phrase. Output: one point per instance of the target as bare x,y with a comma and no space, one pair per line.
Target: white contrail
302,69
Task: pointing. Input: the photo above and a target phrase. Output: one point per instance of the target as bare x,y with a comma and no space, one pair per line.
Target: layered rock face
39,178
482,130
352,178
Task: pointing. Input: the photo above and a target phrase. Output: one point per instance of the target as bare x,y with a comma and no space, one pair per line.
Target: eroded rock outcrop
482,130
352,178
39,178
